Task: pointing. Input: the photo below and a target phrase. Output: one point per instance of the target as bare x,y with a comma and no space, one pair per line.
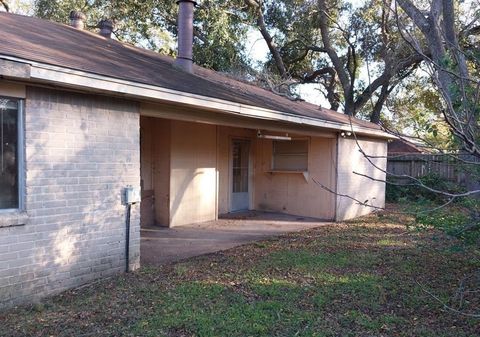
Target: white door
240,162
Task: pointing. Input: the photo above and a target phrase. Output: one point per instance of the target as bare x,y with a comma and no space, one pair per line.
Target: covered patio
161,245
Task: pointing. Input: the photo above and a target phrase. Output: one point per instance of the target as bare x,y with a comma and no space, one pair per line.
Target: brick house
83,116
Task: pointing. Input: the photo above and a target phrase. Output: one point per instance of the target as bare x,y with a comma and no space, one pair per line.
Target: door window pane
240,164
9,197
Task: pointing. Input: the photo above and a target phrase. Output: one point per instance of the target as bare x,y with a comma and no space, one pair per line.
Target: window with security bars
9,159
290,155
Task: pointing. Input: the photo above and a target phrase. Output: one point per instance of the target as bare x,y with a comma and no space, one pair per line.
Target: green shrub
453,221
414,192
460,219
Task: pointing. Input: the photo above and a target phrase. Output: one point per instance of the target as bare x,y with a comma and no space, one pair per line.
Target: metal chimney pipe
77,19
106,28
185,35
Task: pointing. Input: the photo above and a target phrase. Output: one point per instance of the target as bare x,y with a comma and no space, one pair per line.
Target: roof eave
30,71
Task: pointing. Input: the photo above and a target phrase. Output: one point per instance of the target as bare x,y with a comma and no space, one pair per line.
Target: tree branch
5,5
337,63
272,47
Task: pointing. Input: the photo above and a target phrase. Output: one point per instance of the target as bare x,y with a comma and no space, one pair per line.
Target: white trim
175,112
99,83
21,155
13,218
250,175
12,89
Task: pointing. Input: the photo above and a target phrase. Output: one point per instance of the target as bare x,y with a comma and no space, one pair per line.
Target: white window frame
20,157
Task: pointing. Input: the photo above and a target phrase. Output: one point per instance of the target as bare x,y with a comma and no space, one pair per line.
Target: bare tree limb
337,63
5,5
445,306
272,47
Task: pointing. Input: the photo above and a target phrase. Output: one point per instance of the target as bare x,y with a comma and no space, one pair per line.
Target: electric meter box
132,195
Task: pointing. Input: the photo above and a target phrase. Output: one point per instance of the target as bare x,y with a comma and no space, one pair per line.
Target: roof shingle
60,45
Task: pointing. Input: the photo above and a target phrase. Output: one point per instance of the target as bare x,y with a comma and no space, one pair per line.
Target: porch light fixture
260,135
345,134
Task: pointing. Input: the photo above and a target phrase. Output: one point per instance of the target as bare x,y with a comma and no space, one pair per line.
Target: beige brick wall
81,151
350,160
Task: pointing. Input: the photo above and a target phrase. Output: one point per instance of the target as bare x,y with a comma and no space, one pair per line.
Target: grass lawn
368,277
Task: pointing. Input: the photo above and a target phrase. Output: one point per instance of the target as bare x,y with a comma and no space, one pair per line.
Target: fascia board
93,82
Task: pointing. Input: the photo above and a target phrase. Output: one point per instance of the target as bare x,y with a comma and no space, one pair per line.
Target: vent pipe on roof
106,28
185,35
77,19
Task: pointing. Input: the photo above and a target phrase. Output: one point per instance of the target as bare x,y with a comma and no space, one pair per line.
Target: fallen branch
446,306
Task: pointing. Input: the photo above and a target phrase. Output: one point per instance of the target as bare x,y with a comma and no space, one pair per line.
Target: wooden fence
418,165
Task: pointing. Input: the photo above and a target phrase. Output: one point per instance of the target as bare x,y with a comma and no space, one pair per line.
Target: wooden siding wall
193,178
186,166
155,168
292,193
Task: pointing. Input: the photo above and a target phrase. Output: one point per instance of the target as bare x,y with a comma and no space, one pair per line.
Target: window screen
290,155
9,183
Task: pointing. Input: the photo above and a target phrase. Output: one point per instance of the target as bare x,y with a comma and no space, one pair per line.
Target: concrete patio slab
161,245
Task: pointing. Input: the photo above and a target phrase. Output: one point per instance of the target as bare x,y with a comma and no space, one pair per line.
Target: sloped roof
402,146
60,45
